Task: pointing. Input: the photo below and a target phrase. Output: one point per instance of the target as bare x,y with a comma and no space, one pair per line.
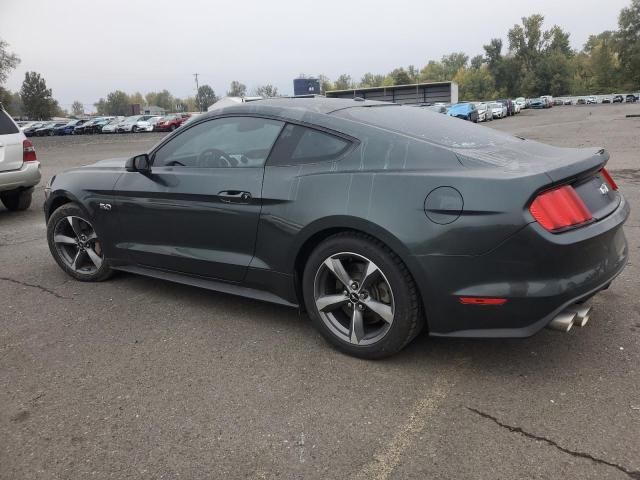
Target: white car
499,110
485,113
522,102
549,99
592,99
129,124
148,124
111,126
516,107
19,166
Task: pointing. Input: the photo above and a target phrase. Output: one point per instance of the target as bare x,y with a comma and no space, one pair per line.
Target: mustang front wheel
75,245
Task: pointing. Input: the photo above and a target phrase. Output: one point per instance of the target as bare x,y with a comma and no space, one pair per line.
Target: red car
170,123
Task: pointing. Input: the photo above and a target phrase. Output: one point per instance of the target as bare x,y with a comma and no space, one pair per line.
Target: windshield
131,119
496,105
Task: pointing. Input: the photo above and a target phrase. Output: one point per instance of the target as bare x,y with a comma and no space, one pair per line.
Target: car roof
291,106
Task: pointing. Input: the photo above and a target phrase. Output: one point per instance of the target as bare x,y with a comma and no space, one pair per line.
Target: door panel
179,219
197,211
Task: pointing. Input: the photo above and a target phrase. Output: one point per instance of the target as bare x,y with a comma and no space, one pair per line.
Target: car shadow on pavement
539,353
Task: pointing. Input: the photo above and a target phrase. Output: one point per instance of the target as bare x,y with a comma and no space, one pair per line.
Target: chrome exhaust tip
583,313
563,321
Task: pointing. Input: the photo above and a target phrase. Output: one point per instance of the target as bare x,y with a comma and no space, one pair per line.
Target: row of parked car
480,111
487,111
132,124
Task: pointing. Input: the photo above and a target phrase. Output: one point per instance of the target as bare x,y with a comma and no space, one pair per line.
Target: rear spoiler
580,167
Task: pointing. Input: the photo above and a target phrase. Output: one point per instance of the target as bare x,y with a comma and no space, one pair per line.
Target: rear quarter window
7,126
298,145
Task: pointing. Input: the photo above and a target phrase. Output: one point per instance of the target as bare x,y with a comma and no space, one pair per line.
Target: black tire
408,319
72,210
134,129
17,201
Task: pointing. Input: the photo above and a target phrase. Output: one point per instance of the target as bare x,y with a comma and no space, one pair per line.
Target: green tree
477,62
137,99
206,97
77,108
117,103
162,99
12,102
266,91
453,62
433,72
475,83
629,42
603,68
539,60
101,107
445,69
8,61
237,89
343,82
325,84
37,98
371,80
400,77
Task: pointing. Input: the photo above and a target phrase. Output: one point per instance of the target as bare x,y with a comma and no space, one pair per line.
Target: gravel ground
137,378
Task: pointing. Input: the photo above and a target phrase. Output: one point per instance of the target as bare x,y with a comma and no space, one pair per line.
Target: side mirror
139,163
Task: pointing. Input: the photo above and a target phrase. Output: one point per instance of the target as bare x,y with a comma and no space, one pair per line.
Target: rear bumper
27,176
539,274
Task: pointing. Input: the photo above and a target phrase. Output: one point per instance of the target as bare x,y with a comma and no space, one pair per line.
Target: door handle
234,196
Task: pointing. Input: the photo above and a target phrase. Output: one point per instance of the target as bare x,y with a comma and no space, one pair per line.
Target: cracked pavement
138,378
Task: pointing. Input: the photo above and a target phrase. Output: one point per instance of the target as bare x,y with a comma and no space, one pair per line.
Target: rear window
7,127
427,125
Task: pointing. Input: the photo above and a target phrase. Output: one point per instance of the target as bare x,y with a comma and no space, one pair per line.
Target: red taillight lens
559,208
612,183
28,152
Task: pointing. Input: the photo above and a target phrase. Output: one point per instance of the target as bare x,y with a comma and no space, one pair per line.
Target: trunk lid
580,168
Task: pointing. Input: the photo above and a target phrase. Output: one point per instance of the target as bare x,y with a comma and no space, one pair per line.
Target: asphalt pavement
142,379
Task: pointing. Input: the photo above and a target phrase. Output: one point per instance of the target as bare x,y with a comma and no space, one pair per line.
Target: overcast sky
85,49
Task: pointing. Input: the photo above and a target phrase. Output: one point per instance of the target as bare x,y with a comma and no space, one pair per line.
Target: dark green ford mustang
380,220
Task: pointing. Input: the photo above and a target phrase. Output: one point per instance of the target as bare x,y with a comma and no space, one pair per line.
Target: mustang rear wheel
75,245
361,297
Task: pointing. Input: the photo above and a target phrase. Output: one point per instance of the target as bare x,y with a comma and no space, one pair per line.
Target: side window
221,143
7,126
299,144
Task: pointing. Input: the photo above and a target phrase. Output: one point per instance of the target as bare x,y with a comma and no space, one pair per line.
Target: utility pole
195,75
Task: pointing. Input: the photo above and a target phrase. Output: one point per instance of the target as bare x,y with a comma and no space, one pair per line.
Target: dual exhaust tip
574,315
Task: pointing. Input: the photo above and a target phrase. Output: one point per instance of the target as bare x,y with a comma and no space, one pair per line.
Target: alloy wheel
354,298
77,245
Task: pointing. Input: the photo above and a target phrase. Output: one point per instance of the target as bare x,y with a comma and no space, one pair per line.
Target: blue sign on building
306,86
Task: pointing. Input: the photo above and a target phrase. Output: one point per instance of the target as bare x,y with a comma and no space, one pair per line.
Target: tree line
534,61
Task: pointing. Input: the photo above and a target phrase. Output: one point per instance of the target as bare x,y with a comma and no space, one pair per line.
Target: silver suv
19,166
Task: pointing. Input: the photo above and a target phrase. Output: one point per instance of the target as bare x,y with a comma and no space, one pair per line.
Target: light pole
195,75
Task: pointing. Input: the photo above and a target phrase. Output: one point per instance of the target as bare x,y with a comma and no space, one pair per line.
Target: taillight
612,183
28,151
559,209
